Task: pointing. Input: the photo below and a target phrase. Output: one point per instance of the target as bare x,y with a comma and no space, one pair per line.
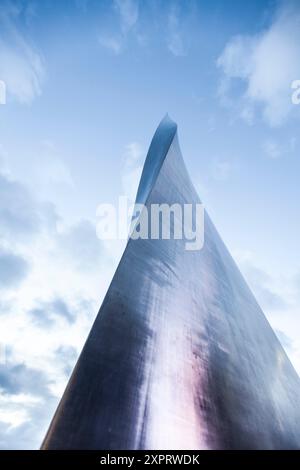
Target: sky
87,83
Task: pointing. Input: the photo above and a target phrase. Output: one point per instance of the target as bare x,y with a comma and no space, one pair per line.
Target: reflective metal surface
180,355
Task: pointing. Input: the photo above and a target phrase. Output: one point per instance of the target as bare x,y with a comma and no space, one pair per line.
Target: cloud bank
266,65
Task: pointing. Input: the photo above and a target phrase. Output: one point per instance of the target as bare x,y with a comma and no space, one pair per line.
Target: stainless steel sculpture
180,355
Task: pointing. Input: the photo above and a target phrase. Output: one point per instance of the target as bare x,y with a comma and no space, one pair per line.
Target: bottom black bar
134,459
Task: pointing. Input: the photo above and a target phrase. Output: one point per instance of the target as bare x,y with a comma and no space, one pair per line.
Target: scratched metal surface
180,355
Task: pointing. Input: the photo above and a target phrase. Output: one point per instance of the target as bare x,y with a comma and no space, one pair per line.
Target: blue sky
87,84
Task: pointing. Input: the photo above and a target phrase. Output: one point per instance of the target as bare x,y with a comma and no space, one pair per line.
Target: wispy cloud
127,13
173,23
279,298
275,149
266,63
49,168
271,149
21,65
263,285
174,40
44,313
113,44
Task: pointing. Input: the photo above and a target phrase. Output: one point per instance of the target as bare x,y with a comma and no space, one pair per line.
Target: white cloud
128,25
111,43
25,401
174,40
272,149
279,297
21,66
19,215
50,167
133,154
60,293
81,239
132,169
49,170
13,269
266,64
129,13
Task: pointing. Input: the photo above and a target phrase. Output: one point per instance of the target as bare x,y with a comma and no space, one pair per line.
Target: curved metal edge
156,155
